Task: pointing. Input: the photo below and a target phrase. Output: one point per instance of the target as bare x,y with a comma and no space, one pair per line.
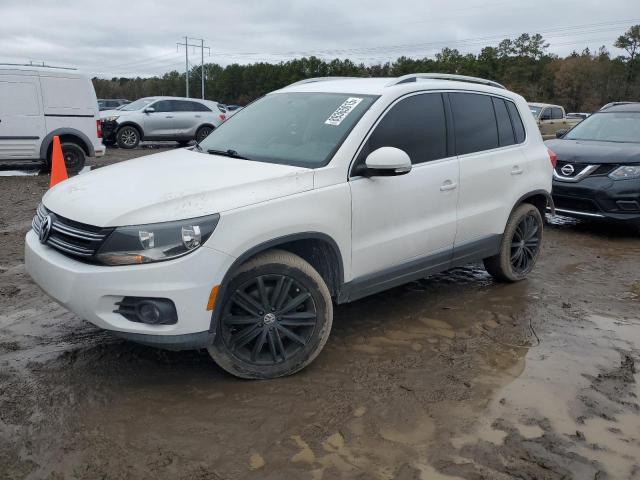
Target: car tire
183,143
74,158
128,137
520,245
202,133
275,318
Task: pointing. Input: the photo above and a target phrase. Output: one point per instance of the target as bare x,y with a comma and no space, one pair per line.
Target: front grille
576,204
71,238
605,169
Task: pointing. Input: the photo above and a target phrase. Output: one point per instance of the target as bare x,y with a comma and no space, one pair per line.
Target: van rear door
21,117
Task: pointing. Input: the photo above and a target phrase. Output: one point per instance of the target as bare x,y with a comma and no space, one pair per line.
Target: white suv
325,191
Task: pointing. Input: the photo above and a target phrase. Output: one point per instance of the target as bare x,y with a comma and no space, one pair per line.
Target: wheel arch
130,123
318,249
541,199
68,135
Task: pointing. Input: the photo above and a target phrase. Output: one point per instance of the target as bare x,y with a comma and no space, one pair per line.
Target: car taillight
99,128
552,157
223,117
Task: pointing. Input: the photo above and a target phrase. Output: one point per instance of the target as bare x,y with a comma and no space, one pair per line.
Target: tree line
582,81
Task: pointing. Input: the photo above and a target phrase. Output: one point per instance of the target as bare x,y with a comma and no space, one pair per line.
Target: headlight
625,172
113,118
156,242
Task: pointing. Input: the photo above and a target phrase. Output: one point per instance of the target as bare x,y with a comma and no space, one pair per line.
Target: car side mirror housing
561,133
387,162
149,110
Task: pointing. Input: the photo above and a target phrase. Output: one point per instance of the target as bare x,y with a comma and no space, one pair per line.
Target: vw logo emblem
45,229
567,170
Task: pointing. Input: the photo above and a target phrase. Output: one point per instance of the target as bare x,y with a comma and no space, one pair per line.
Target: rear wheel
128,137
520,245
74,158
202,133
275,319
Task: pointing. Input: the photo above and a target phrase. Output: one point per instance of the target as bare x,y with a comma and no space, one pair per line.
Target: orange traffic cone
58,168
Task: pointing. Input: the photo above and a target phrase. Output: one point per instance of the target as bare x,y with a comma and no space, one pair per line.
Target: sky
139,37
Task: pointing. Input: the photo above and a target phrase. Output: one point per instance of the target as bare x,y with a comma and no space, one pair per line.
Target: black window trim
448,129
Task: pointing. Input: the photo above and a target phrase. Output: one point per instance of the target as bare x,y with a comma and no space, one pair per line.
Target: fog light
152,311
149,313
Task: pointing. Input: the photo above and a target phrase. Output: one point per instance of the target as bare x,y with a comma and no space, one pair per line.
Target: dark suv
598,169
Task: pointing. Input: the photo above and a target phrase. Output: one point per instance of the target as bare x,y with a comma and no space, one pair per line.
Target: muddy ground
451,377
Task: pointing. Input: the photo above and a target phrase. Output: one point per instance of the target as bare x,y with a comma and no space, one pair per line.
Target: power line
186,46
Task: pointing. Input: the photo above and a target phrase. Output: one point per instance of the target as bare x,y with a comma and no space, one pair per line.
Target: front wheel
275,319
520,246
128,137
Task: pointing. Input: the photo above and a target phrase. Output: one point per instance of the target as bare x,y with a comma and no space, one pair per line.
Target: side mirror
149,110
387,162
561,133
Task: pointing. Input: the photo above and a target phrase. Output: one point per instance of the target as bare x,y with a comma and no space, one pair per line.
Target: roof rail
35,66
414,77
317,79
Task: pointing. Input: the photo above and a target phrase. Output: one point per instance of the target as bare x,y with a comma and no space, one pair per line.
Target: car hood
170,186
587,151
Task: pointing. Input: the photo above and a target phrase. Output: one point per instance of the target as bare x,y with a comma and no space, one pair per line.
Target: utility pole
186,46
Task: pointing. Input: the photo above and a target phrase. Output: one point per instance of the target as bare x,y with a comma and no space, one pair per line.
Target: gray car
161,118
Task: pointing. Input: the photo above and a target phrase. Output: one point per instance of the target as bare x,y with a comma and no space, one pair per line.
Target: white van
37,103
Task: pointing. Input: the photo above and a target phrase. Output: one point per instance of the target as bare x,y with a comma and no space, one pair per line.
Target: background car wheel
74,158
202,133
183,143
128,137
275,319
520,245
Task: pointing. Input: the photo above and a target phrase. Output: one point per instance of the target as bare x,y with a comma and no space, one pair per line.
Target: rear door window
556,113
163,106
416,125
474,121
505,129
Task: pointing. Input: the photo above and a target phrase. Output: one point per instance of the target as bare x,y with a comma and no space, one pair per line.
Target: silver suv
161,118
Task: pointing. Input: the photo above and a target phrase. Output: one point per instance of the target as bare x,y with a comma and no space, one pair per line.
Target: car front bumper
109,130
599,197
91,291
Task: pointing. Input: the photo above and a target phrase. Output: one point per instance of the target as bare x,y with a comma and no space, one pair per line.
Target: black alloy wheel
268,319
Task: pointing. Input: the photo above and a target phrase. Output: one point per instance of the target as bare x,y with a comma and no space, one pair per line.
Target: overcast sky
138,37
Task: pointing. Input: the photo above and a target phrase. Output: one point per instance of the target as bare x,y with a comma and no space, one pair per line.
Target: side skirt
419,268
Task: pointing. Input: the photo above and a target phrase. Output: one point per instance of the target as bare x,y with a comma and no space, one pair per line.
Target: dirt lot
451,377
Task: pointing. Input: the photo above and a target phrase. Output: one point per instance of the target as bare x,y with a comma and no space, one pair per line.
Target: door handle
516,170
448,185
198,116
169,116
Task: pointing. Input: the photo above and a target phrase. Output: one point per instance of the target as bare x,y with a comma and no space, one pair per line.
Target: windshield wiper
227,153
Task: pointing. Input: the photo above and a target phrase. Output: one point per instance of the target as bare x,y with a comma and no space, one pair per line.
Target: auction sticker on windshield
342,111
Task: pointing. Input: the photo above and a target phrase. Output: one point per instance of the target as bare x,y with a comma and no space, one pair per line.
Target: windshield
608,127
301,129
535,110
137,105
